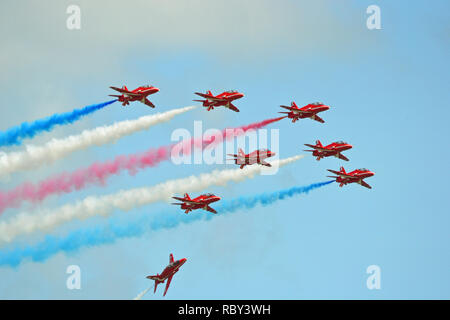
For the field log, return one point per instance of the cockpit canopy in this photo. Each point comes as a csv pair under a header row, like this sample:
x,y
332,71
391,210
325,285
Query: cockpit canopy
x,y
363,169
341,142
317,103
209,195
147,86
175,263
231,91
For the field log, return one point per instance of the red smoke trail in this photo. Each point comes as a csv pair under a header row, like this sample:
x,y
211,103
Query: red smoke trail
x,y
98,172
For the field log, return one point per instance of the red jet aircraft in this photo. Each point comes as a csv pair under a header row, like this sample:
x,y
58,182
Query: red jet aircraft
x,y
223,99
308,111
333,149
201,202
168,272
356,176
139,94
257,156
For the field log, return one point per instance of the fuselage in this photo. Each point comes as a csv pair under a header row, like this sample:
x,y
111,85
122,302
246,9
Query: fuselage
x,y
141,93
332,149
257,156
356,176
171,269
307,111
201,202
228,96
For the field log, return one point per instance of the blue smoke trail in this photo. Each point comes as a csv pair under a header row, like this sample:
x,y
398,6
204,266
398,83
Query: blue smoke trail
x,y
15,135
117,228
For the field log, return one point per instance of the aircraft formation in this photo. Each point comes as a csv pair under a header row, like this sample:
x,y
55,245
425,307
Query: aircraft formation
x,y
226,99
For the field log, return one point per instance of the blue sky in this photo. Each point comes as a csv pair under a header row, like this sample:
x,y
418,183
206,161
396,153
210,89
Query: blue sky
x,y
388,90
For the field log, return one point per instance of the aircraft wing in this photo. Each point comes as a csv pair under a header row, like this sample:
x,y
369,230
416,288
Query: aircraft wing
x,y
292,109
317,147
340,173
265,164
185,200
233,107
209,97
342,157
167,284
125,91
317,118
365,184
208,208
148,103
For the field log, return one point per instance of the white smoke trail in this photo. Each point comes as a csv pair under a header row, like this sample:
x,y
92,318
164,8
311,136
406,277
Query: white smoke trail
x,y
35,156
125,200
140,295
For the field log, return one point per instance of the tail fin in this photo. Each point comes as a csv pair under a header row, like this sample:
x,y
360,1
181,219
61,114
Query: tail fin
x,y
342,170
171,258
186,196
124,88
241,152
318,143
294,105
209,92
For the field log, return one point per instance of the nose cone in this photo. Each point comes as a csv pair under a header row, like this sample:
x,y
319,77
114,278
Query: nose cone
x,y
271,153
370,173
182,261
238,95
325,108
347,146
155,89
216,199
